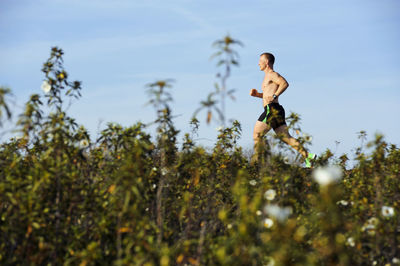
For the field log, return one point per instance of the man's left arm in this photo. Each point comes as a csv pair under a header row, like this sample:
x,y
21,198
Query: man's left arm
x,y
282,83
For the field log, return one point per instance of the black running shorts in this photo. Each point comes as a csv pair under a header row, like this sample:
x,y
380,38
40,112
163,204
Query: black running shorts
x,y
273,115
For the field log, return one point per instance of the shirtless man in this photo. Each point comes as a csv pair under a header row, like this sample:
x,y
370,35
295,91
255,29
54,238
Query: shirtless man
x,y
273,116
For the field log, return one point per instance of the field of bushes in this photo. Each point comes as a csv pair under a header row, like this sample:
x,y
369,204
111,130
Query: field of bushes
x,y
128,198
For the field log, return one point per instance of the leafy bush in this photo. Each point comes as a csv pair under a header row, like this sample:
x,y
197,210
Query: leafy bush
x,y
125,199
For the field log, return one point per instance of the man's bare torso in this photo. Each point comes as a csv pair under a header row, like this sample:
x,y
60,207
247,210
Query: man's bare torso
x,y
269,88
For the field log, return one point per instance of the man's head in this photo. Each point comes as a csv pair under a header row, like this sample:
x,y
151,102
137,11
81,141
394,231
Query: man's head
x,y
266,59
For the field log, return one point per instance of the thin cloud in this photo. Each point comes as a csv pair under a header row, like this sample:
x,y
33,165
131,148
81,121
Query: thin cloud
x,y
193,17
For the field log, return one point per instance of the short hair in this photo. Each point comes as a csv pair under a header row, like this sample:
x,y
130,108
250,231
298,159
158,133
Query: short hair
x,y
270,57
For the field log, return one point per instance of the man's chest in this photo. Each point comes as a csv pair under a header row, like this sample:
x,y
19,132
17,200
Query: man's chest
x,y
268,84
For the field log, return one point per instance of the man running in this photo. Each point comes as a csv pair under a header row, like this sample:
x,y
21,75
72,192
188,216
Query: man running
x,y
273,116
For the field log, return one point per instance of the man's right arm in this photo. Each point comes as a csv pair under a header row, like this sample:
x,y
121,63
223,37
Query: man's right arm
x,y
254,93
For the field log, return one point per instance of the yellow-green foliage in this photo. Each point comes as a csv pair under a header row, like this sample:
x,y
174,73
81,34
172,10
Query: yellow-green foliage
x,y
126,199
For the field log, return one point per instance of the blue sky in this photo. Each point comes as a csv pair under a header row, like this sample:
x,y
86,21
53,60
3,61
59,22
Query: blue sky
x,y
340,58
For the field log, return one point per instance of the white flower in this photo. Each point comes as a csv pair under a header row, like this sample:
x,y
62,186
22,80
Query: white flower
x,y
327,175
270,194
253,182
154,169
387,211
147,209
83,143
229,226
271,262
373,221
258,212
307,138
370,226
281,214
351,242
286,160
342,202
374,262
218,128
395,261
268,222
164,171
154,185
46,87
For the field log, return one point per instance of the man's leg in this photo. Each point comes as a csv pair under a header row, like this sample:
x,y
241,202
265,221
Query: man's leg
x,y
283,131
260,129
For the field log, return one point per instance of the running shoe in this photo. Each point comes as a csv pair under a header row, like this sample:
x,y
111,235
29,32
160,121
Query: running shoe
x,y
310,159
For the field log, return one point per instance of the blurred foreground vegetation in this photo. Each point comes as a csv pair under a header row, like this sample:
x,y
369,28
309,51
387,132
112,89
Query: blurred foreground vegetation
x,y
128,199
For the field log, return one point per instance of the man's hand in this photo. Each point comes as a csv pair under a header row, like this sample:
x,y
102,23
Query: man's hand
x,y
253,92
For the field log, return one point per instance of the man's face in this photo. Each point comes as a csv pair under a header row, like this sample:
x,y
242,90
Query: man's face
x,y
262,63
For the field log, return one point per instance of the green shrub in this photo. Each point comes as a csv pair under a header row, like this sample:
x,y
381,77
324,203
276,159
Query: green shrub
x,y
125,199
